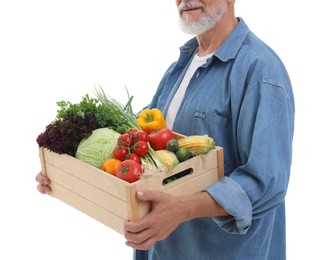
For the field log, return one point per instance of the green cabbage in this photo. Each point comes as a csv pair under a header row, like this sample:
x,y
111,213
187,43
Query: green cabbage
x,y
97,147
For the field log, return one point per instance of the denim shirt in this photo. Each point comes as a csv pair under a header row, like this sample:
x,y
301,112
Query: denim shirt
x,y
242,97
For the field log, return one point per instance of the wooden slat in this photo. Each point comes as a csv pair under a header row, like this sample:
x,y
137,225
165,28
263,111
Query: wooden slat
x,y
83,189
88,207
196,184
199,165
87,173
220,162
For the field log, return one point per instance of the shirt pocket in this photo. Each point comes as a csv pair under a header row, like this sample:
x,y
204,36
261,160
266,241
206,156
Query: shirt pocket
x,y
220,129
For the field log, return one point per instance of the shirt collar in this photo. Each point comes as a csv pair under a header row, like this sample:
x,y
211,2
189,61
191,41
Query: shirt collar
x,y
229,49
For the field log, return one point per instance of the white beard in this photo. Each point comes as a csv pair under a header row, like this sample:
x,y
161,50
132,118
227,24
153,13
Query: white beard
x,y
206,22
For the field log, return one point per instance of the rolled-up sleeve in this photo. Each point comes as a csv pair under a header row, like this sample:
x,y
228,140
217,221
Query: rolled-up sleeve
x,y
235,201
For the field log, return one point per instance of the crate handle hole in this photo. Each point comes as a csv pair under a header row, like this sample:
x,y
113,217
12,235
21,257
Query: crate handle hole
x,y
177,176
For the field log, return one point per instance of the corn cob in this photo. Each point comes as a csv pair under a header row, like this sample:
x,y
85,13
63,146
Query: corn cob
x,y
197,144
167,158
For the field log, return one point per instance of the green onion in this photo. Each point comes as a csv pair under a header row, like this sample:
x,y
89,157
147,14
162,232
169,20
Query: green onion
x,y
127,119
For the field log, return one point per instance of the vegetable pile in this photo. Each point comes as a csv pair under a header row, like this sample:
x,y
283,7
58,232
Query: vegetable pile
x,y
109,136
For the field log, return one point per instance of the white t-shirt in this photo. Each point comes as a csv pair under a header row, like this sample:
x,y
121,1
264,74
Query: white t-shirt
x,y
179,95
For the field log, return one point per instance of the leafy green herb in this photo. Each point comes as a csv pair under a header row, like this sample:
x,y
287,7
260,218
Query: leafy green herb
x,y
67,109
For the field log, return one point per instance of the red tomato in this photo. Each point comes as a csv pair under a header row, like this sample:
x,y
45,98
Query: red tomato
x,y
134,157
129,171
124,140
131,131
120,153
140,148
159,138
140,136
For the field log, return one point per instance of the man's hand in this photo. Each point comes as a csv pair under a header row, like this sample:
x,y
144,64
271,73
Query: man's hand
x,y
166,214
43,183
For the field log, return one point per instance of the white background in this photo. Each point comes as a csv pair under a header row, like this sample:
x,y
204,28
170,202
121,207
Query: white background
x,y
58,50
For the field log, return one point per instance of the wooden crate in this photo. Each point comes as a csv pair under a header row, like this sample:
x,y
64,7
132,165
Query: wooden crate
x,y
109,199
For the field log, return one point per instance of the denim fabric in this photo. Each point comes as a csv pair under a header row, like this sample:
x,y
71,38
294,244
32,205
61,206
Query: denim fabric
x,y
243,98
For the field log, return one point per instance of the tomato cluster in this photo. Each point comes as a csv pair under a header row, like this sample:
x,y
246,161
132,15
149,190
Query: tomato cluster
x,y
133,144
130,147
